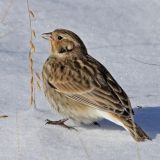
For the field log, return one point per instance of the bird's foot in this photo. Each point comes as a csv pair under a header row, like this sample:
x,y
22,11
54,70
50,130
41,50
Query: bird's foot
x,y
60,122
96,124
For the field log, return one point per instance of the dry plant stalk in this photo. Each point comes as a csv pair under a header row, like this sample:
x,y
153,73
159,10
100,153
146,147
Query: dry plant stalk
x,y
35,77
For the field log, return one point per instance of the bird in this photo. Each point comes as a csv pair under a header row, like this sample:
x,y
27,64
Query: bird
x,y
81,89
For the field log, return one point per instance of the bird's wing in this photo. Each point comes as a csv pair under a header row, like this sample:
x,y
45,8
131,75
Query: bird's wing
x,y
87,81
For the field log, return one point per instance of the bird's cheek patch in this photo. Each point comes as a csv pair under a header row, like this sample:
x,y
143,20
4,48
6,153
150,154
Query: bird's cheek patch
x,y
69,47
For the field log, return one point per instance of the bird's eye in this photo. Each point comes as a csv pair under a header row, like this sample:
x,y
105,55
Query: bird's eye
x,y
59,37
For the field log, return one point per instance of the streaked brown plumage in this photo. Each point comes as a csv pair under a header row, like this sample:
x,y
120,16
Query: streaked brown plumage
x,y
81,88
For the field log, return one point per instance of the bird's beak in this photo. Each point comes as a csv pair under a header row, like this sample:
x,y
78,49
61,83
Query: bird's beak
x,y
47,35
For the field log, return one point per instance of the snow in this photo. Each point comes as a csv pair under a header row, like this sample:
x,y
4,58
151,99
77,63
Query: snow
x,y
123,35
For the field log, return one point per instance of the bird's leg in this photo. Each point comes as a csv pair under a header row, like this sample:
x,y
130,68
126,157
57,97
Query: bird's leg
x,y
60,122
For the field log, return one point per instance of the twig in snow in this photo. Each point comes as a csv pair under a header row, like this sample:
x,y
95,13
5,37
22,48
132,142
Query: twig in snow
x,y
3,116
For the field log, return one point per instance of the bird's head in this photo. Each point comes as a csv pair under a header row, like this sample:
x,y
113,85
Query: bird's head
x,y
65,43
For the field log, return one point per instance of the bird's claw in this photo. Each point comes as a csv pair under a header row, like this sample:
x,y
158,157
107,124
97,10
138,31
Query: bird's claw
x,y
60,122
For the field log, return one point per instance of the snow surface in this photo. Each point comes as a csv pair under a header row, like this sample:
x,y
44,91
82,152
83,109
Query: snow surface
x,y
123,35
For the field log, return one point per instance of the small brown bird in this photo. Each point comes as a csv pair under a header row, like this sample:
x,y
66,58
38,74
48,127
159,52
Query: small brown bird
x,y
81,88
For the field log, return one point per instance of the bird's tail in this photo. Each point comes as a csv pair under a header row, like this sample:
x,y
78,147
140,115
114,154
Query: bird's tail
x,y
135,131
128,123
